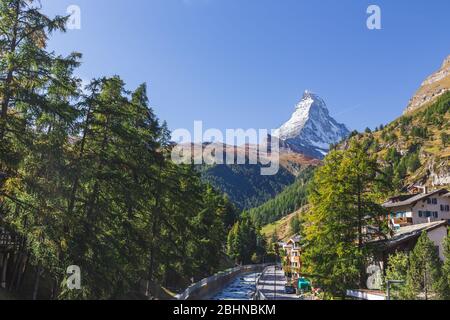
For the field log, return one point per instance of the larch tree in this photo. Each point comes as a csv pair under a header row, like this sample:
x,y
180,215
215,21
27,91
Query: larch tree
x,y
344,215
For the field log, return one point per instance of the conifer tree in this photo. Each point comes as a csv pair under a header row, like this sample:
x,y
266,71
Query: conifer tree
x,y
344,198
424,273
397,270
445,285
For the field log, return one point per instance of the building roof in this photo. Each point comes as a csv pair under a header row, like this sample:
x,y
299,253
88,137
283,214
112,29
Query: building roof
x,y
411,199
409,232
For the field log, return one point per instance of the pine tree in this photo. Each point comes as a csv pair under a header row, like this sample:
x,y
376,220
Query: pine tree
x,y
397,270
36,90
425,270
445,281
295,225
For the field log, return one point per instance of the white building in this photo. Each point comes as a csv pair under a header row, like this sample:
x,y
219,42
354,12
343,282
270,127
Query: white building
x,y
419,208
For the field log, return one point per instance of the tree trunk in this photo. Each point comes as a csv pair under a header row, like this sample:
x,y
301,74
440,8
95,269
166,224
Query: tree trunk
x,y
155,225
36,282
360,234
5,267
16,264
80,156
22,271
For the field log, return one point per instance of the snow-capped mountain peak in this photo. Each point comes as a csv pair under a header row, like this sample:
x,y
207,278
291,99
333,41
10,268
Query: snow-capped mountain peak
x,y
311,129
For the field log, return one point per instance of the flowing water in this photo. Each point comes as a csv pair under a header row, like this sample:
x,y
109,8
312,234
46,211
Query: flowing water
x,y
242,288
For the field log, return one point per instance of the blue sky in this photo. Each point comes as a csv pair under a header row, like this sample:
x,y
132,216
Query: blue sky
x,y
246,63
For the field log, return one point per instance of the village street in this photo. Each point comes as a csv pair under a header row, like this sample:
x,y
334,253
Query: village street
x,y
272,285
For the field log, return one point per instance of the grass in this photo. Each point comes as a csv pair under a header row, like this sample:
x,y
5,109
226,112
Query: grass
x,y
281,227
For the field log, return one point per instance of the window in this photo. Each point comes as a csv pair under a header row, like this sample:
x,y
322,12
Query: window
x,y
420,214
434,201
428,201
447,208
442,207
428,214
436,214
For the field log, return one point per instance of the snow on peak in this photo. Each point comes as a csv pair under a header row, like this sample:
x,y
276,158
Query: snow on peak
x,y
311,129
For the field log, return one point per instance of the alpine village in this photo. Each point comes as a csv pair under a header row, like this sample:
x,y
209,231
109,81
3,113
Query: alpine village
x,y
86,179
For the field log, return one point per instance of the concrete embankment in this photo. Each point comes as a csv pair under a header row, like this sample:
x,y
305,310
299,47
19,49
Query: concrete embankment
x,y
209,287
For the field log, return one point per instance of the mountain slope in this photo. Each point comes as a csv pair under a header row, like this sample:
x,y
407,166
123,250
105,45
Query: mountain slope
x,y
311,129
432,88
281,228
244,184
291,199
415,149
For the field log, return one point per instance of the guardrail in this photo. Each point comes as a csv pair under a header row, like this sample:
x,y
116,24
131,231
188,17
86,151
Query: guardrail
x,y
230,273
258,294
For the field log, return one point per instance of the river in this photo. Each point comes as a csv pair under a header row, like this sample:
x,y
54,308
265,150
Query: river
x,y
242,288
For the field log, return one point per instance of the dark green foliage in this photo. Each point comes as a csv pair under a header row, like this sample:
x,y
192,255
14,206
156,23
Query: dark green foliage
x,y
245,242
413,162
287,202
344,198
87,179
295,226
445,284
424,272
445,139
419,132
434,114
244,184
354,133
397,270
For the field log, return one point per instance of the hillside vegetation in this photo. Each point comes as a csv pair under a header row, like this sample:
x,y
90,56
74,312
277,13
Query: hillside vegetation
x,y
287,202
283,229
244,184
415,148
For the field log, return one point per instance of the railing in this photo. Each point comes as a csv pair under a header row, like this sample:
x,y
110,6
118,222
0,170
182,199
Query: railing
x,y
258,293
402,221
205,282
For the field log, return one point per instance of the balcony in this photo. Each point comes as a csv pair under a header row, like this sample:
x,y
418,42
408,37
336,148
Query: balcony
x,y
402,221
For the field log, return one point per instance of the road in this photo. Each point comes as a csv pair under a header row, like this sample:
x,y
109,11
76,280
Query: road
x,y
272,284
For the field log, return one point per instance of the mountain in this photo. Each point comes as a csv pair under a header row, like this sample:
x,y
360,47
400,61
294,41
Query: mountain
x,y
304,140
244,184
311,130
432,88
415,148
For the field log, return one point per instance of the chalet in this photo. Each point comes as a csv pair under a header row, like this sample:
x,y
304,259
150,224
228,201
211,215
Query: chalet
x,y
403,239
419,208
293,252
